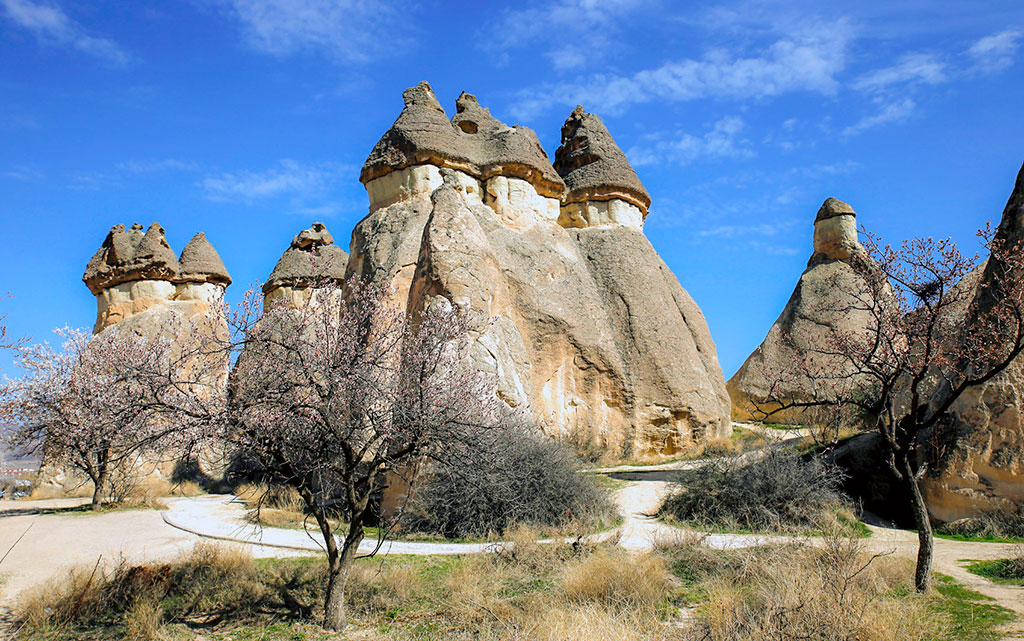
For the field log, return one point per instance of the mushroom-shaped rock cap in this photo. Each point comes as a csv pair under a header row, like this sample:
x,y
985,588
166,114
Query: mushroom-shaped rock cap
x,y
312,258
473,141
833,207
592,165
200,263
131,255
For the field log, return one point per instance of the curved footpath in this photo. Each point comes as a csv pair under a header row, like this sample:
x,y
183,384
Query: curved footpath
x,y
52,542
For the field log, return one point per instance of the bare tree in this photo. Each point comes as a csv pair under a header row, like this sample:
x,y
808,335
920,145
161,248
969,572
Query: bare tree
x,y
345,392
928,341
100,403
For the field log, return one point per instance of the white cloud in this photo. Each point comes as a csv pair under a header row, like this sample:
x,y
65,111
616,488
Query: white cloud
x,y
154,166
804,61
288,178
347,30
544,22
914,68
723,140
891,112
995,52
52,26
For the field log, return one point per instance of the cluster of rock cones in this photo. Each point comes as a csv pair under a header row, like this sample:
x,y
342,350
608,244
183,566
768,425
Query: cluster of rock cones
x,y
591,331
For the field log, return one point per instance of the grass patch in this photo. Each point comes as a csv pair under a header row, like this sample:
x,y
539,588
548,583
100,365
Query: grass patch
x,y
972,616
1006,571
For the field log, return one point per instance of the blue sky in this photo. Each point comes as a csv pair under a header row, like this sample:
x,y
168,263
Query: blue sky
x,y
249,119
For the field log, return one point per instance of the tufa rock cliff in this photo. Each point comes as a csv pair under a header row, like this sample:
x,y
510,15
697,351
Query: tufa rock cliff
x,y
980,463
591,331
820,305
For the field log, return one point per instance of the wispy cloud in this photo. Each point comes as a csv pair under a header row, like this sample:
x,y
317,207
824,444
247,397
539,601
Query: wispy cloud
x,y
346,30
52,26
995,52
155,166
805,61
890,112
595,22
723,140
287,178
24,173
914,68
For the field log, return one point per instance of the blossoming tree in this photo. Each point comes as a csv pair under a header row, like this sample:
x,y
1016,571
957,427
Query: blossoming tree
x,y
338,396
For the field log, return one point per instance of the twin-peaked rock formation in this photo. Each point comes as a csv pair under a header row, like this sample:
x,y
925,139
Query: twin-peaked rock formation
x,y
787,364
591,331
137,278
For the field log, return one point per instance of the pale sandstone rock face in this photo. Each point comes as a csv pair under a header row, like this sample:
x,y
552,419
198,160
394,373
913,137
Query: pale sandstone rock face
x,y
818,306
590,331
982,465
141,287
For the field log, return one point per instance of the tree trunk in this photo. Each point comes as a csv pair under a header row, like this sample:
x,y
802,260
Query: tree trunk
x,y
99,490
926,540
334,602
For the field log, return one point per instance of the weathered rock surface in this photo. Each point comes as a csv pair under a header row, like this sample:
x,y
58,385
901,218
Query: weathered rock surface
x,y
981,463
312,260
819,307
590,329
133,273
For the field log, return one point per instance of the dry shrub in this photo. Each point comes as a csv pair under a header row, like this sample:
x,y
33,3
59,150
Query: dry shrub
x,y
994,524
777,490
517,477
210,578
613,578
834,592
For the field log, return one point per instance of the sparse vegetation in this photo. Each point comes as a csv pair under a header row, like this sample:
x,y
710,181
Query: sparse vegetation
x,y
529,591
996,526
779,490
518,477
1001,570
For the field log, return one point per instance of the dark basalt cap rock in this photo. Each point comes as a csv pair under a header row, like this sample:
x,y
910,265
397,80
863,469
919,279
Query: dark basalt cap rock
x,y
592,165
131,255
473,141
312,257
833,207
200,263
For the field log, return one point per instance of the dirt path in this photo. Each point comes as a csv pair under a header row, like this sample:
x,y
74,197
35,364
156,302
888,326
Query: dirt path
x,y
53,542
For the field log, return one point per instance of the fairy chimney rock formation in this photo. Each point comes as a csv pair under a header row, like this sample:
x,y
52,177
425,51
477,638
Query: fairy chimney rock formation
x,y
590,329
835,231
312,260
134,272
602,187
776,370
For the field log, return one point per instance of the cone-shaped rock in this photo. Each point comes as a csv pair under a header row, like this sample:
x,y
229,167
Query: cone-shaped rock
x,y
560,343
980,464
201,263
671,373
473,142
592,165
311,259
131,255
819,306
